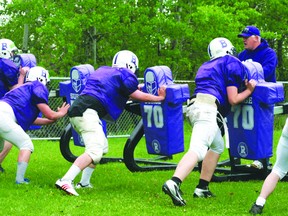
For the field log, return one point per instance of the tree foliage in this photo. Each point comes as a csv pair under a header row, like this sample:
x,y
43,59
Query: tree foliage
x,y
164,32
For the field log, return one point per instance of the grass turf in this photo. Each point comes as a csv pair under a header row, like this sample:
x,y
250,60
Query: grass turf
x,y
117,191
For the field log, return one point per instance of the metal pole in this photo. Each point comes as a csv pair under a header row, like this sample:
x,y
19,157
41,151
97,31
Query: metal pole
x,y
94,46
25,38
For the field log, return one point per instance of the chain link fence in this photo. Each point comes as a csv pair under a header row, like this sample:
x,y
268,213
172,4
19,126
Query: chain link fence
x,y
123,127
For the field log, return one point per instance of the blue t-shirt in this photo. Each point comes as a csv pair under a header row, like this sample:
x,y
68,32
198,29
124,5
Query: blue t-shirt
x,y
24,100
264,55
214,76
112,87
8,75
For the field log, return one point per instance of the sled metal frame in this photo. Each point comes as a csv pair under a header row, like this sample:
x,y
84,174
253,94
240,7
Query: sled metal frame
x,y
132,163
232,169
226,170
138,164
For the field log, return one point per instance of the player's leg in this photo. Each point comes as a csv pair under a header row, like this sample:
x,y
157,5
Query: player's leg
x,y
279,170
208,167
101,147
6,149
172,186
86,176
23,142
13,133
201,139
90,128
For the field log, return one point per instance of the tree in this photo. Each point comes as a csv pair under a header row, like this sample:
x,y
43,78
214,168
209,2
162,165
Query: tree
x,y
64,33
274,27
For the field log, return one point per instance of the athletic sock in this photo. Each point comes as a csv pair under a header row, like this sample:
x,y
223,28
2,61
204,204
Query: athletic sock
x,y
21,170
86,176
203,184
72,173
176,180
260,201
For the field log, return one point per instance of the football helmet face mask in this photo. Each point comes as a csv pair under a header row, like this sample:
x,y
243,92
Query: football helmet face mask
x,y
7,49
219,47
38,73
126,59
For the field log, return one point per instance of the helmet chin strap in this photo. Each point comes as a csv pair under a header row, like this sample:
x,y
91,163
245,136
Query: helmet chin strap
x,y
129,67
137,72
41,80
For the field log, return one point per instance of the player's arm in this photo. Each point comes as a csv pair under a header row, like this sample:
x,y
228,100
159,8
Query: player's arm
x,y
21,78
43,121
142,96
22,74
52,115
235,98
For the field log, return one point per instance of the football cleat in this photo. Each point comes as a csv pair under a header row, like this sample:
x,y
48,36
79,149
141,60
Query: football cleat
x,y
1,169
203,193
256,209
257,164
80,185
172,189
66,186
25,181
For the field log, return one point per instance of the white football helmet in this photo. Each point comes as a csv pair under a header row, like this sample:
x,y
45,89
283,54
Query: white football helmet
x,y
127,59
38,73
219,47
7,48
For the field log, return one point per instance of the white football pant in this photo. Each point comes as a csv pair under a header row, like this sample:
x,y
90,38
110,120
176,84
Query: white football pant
x,y
11,131
281,165
205,133
89,127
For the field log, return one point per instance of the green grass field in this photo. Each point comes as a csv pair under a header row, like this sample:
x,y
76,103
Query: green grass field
x,y
117,191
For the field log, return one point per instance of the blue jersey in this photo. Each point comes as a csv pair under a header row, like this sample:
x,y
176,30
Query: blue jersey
x,y
112,87
8,75
264,55
214,76
24,100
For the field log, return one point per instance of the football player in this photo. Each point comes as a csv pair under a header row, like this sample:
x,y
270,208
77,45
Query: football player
x,y
104,97
278,172
19,109
217,83
11,76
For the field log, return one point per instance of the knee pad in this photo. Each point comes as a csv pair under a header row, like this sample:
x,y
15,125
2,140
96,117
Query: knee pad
x,y
27,145
218,150
281,166
218,147
96,150
96,153
200,151
278,172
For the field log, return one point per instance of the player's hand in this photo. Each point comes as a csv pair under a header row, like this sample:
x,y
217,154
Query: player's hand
x,y
162,91
140,86
63,109
251,84
24,70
